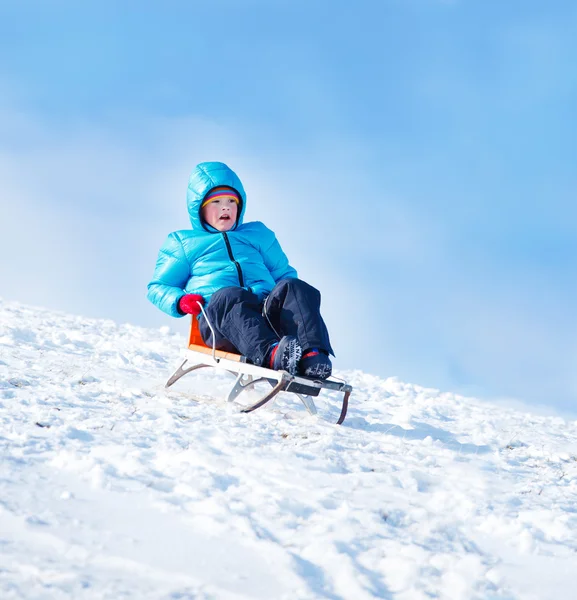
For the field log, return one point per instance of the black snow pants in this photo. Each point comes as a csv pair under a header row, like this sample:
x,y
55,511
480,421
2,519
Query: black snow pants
x,y
249,327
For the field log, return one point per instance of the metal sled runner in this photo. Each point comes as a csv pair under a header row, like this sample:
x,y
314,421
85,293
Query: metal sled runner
x,y
198,355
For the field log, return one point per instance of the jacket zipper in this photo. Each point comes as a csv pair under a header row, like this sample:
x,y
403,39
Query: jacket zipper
x,y
231,256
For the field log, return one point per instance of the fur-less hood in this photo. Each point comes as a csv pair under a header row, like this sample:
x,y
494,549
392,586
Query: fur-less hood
x,y
205,177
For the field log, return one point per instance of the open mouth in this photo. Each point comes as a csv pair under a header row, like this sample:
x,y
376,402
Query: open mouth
x,y
224,218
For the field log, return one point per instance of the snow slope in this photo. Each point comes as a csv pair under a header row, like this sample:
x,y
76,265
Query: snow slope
x,y
112,488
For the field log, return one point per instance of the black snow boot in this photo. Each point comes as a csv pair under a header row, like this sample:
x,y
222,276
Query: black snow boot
x,y
316,363
285,355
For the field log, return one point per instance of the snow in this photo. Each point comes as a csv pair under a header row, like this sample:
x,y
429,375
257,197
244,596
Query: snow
x,y
113,488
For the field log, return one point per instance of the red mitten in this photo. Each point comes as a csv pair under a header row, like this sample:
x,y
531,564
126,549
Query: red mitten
x,y
189,304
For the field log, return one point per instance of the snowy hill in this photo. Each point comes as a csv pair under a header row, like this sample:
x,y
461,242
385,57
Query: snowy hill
x,y
112,488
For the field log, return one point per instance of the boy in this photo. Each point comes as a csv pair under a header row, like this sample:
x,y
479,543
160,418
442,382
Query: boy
x,y
254,300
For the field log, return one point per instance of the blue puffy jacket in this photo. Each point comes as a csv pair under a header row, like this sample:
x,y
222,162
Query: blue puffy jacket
x,y
202,260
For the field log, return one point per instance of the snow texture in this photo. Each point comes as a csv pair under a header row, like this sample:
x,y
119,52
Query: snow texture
x,y
113,488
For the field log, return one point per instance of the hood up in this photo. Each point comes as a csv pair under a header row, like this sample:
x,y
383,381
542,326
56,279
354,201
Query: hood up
x,y
205,177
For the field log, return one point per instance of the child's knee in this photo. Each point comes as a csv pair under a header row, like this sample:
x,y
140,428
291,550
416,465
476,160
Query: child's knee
x,y
290,282
293,283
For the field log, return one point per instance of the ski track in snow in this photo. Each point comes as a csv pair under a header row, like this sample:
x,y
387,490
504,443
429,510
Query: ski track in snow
x,y
113,488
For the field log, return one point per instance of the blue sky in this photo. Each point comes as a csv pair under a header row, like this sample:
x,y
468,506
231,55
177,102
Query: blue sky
x,y
417,159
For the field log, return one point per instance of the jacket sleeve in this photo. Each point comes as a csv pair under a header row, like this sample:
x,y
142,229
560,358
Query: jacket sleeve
x,y
275,259
171,275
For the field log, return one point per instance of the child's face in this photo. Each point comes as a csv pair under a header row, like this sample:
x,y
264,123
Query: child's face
x,y
221,214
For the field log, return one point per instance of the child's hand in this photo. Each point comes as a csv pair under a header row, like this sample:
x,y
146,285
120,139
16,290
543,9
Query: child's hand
x,y
188,304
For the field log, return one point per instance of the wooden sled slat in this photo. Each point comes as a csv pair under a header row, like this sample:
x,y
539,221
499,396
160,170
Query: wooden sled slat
x,y
217,353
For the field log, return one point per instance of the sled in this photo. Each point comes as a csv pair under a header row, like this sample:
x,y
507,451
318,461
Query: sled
x,y
198,355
